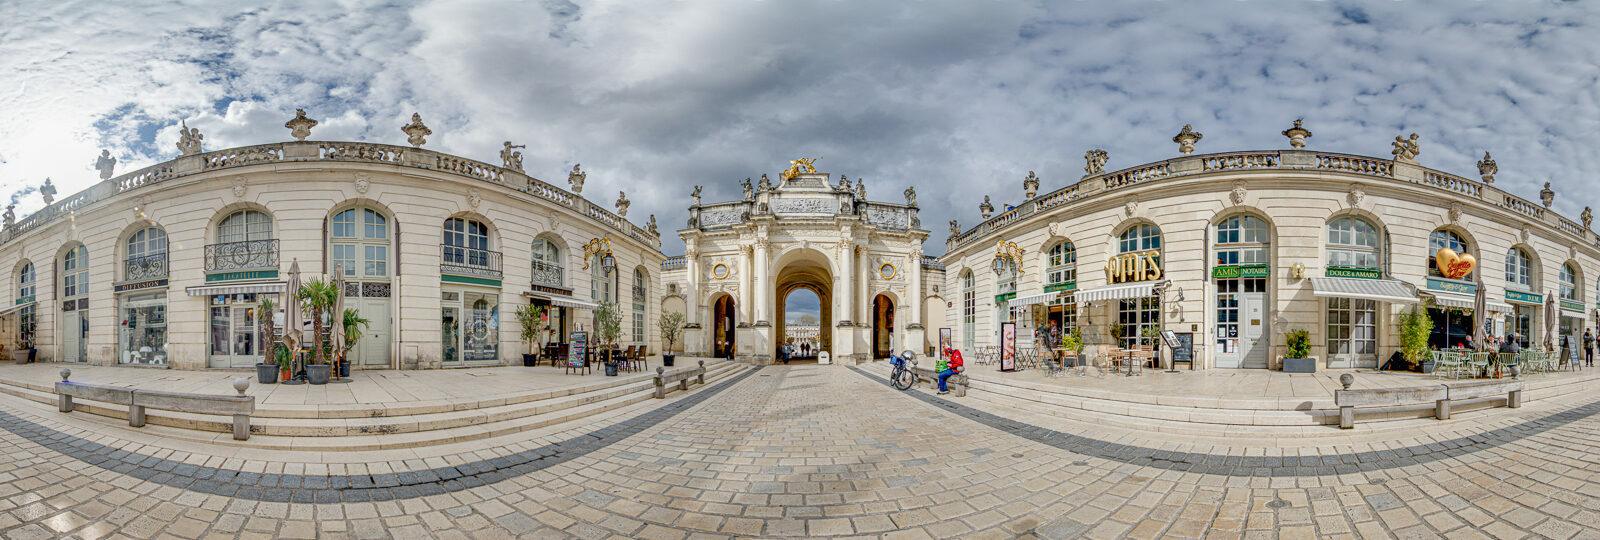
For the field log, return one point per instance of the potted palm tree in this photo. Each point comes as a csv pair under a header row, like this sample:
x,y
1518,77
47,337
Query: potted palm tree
x,y
1298,359
353,322
317,297
671,329
531,320
267,370
607,328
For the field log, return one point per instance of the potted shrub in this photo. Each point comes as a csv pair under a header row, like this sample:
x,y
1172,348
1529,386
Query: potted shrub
x,y
24,352
352,321
1415,326
317,297
1299,359
607,329
531,319
1073,341
671,330
267,370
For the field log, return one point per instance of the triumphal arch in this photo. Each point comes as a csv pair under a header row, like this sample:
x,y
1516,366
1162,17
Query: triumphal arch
x,y
863,260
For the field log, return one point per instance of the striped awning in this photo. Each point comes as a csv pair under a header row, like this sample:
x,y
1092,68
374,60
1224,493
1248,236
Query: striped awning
x,y
13,309
1033,299
1463,301
238,288
1120,292
1383,290
562,300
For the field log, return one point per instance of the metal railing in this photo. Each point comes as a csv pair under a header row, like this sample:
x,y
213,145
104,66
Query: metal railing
x,y
152,266
246,255
547,274
461,260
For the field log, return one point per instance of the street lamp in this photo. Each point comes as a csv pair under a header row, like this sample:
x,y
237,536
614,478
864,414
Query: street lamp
x,y
601,247
608,262
1007,255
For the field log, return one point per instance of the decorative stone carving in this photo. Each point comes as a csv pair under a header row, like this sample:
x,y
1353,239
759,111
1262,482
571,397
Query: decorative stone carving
x,y
238,187
911,196
693,195
474,197
10,215
985,208
1297,135
1547,195
363,183
1587,216
1356,195
1487,169
48,192
765,184
577,176
1406,150
955,227
105,164
416,132
844,184
623,203
809,205
749,192
188,139
300,126
916,220
510,158
1456,212
861,188
1030,185
1237,194
651,225
1526,233
1095,162
1186,139
722,216
1131,206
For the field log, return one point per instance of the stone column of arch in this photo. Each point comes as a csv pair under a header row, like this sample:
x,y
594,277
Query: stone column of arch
x,y
694,341
746,315
762,285
844,295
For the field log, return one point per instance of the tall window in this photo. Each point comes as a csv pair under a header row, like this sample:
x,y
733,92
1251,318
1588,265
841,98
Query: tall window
x,y
639,294
466,241
1569,282
75,273
969,308
360,243
147,254
244,225
1140,238
1445,239
1353,330
546,262
1352,243
1063,261
1241,240
599,283
1008,280
27,317
1519,270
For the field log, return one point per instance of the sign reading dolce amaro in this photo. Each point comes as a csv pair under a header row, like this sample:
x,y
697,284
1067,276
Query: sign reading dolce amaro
x,y
1134,267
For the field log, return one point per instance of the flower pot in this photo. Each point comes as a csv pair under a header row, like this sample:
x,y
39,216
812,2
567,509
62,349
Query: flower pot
x,y
1427,366
267,373
611,369
530,360
23,356
344,369
666,359
1300,365
319,373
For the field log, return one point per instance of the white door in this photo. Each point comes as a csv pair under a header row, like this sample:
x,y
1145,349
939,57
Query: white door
x,y
74,329
373,349
1252,347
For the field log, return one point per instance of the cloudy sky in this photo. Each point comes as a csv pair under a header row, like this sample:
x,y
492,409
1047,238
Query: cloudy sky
x,y
959,98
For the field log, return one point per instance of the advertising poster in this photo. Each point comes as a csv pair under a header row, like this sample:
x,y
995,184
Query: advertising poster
x,y
579,343
944,343
1008,347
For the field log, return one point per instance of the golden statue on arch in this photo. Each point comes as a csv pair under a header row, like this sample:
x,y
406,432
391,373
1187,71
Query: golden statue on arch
x,y
795,164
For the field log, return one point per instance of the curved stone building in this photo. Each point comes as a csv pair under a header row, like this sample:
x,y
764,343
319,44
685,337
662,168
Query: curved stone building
x,y
1232,250
168,265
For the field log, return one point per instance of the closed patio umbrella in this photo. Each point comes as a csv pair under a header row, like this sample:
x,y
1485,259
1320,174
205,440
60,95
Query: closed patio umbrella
x,y
1551,321
1480,317
336,317
292,336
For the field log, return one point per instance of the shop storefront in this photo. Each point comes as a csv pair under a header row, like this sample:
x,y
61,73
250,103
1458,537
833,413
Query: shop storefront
x,y
469,326
142,339
1135,279
1353,298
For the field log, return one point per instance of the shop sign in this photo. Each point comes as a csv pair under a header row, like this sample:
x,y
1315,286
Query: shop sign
x,y
232,276
1003,297
1240,271
1526,298
26,299
1068,286
1571,306
1356,273
1134,267
136,285
470,280
1452,286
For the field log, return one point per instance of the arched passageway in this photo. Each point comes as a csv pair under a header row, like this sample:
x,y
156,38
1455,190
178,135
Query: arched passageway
x,y
723,317
804,269
882,326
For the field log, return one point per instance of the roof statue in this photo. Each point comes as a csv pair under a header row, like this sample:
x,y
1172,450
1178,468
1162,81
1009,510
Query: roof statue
x,y
749,192
796,164
48,191
1186,139
911,196
693,194
1406,150
300,126
576,178
105,164
1487,168
416,132
188,139
1297,134
510,158
623,203
1030,185
1095,162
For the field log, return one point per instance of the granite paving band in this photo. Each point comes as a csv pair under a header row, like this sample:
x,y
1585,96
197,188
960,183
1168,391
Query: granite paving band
x,y
1266,466
350,488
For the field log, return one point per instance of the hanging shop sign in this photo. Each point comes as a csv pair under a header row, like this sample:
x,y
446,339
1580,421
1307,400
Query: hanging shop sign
x,y
1453,265
1240,271
1452,286
1571,305
1134,267
1525,298
1356,273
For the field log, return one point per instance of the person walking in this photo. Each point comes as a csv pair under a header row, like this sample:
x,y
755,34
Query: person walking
x,y
1588,348
952,369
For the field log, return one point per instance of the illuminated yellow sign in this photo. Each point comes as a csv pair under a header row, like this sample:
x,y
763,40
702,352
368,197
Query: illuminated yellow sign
x,y
1133,267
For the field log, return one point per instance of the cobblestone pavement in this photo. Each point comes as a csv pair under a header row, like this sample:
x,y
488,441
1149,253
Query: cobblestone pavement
x,y
830,451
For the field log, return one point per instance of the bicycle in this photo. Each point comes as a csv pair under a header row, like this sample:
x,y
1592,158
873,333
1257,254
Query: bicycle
x,y
901,377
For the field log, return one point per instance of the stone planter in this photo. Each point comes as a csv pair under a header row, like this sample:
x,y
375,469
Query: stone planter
x,y
23,356
611,369
1427,366
344,369
667,359
319,373
267,373
530,360
1300,365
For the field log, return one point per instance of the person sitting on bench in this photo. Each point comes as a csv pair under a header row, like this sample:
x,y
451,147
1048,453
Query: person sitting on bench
x,y
954,368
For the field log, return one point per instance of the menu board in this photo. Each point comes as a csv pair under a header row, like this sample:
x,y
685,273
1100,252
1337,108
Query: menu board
x,y
1008,347
580,341
1182,346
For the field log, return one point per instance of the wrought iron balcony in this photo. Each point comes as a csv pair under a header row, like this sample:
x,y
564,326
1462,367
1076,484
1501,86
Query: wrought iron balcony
x,y
246,255
467,261
547,274
152,266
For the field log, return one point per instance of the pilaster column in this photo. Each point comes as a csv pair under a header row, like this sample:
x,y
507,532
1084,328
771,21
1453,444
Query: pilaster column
x,y
746,271
916,293
863,301
844,291
762,288
691,263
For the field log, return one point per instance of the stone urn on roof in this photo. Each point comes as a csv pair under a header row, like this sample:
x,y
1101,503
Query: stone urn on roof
x,y
1297,135
416,132
300,126
1186,139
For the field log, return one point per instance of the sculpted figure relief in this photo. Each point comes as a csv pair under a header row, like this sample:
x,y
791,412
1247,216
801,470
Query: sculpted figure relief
x,y
105,164
510,158
749,192
1406,149
911,196
577,176
48,191
695,195
1095,162
188,139
765,184
861,189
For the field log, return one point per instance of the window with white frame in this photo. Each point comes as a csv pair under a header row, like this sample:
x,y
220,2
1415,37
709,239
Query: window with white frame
x,y
359,243
1063,266
1140,238
1241,240
639,293
1445,239
1569,282
27,317
1519,270
244,225
1352,243
969,308
75,273
547,268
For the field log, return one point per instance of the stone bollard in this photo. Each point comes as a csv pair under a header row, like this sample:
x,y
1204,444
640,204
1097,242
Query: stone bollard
x,y
241,422
661,386
63,401
702,374
1346,380
240,385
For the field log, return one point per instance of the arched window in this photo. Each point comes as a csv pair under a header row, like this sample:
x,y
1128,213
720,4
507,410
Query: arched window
x,y
1519,270
359,242
244,225
27,317
466,247
1008,280
1240,240
547,268
1446,239
75,273
969,308
639,293
1569,283
599,282
1140,238
1352,243
1063,270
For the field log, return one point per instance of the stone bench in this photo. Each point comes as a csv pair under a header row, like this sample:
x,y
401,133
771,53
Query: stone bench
x,y
957,382
239,406
1440,395
663,379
